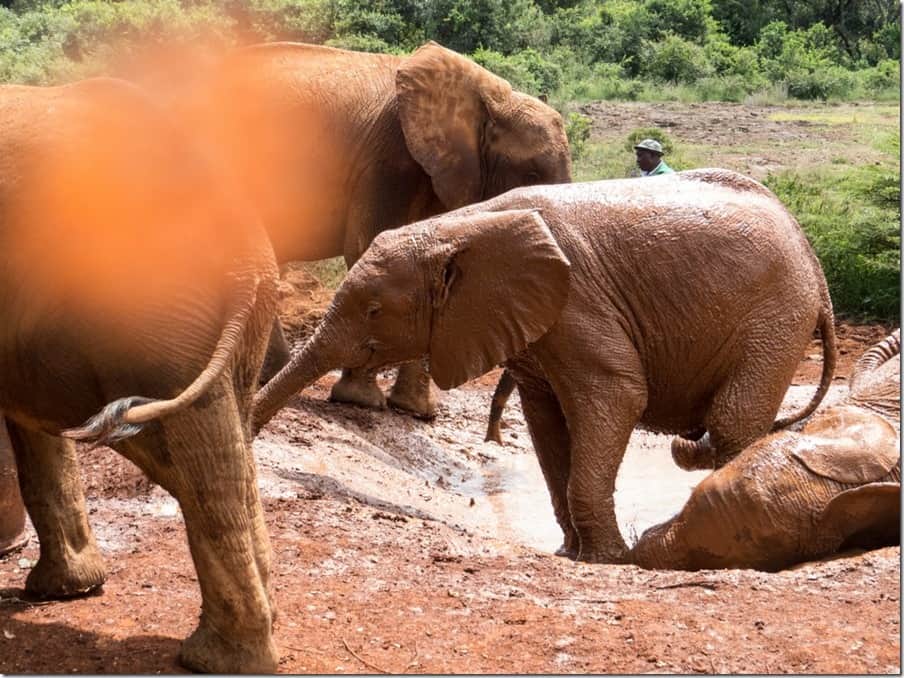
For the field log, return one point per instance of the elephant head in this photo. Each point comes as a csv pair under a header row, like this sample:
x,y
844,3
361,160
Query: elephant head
x,y
465,291
474,135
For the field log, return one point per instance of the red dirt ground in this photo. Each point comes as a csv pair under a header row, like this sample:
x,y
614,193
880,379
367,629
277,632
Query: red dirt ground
x,y
367,582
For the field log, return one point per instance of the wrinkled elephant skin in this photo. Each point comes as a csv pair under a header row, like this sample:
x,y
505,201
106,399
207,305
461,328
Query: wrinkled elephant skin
x,y
802,495
335,146
131,276
683,303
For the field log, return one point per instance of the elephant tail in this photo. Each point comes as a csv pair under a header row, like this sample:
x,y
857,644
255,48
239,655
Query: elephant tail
x,y
125,417
829,359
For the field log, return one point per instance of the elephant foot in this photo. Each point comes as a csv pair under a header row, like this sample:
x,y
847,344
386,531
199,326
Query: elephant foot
x,y
420,407
77,575
358,392
694,455
610,555
206,651
565,551
419,399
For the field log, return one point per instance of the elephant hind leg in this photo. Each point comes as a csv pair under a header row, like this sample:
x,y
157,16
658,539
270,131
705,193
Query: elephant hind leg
x,y
201,457
745,406
70,563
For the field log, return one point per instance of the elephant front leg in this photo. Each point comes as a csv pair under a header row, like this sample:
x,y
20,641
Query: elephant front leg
x,y
602,405
70,563
358,387
549,434
414,391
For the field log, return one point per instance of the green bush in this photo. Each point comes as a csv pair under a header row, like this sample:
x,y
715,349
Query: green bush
x,y
577,128
642,133
851,216
824,83
675,59
363,43
885,75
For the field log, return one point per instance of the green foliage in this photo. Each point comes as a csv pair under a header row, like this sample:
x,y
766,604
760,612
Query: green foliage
x,y
527,70
852,217
577,128
674,59
619,49
329,272
642,133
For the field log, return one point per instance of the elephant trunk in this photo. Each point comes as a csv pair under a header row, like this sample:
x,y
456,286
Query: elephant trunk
x,y
318,356
655,550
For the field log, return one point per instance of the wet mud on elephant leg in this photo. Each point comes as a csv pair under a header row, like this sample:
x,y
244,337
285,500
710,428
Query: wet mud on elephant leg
x,y
12,509
414,390
744,406
205,463
278,353
549,435
603,396
70,563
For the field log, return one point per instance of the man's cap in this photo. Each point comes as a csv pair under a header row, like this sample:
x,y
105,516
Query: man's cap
x,y
650,145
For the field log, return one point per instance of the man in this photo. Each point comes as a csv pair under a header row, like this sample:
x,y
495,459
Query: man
x,y
649,158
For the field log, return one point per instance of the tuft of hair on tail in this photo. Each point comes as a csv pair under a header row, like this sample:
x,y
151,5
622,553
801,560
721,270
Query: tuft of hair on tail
x,y
109,425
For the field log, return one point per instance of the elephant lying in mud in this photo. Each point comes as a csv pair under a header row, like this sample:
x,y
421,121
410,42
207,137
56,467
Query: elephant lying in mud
x,y
682,302
335,146
129,273
798,495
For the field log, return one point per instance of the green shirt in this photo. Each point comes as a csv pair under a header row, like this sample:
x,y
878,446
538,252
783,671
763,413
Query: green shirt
x,y
661,168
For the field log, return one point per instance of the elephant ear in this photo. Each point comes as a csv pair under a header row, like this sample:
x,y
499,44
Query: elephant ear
x,y
866,517
501,283
445,100
848,446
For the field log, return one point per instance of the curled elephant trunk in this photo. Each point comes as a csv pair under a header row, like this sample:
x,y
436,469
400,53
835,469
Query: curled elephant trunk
x,y
315,359
655,550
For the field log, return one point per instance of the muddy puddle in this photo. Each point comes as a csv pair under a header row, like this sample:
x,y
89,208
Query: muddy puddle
x,y
444,470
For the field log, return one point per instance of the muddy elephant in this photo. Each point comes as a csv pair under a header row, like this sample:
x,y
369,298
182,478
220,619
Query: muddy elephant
x,y
798,495
12,510
134,284
335,146
682,302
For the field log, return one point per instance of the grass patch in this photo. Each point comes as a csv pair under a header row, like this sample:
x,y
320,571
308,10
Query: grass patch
x,y
852,217
872,115
329,272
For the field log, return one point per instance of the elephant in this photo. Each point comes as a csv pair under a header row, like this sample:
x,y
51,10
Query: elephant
x,y
12,510
134,284
797,495
682,302
334,146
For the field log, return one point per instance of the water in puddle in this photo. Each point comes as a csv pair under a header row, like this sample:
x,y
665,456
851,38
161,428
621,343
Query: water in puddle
x,y
649,489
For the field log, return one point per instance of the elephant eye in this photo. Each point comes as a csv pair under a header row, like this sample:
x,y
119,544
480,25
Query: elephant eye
x,y
532,177
373,310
